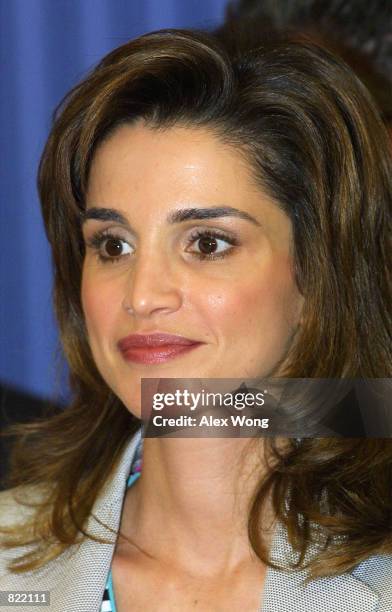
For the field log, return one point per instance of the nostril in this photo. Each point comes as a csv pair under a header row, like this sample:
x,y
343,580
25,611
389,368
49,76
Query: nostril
x,y
128,309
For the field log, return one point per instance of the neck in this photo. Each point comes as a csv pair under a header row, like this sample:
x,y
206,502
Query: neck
x,y
194,495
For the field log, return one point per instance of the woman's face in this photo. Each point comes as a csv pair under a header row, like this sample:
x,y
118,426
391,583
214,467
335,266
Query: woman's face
x,y
225,282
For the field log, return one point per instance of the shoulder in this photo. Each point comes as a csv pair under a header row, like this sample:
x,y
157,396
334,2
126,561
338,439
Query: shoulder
x,y
20,503
18,507
376,572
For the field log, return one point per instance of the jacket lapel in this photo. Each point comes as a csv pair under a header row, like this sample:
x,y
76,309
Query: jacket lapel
x,y
76,580
286,591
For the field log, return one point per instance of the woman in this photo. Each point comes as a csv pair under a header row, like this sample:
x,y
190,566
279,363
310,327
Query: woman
x,y
233,193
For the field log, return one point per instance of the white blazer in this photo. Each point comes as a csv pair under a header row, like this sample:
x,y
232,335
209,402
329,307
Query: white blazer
x,y
76,580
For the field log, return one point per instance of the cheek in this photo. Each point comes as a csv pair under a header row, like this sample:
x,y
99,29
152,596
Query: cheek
x,y
98,301
264,299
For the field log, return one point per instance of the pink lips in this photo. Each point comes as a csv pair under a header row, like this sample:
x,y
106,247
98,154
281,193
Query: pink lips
x,y
154,348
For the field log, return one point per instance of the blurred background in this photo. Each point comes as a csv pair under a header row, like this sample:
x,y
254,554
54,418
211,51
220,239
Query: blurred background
x,y
46,47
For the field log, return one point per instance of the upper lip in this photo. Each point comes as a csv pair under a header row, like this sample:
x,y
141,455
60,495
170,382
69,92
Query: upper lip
x,y
153,340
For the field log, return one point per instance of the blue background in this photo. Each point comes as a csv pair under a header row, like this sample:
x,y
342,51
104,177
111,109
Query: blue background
x,y
46,46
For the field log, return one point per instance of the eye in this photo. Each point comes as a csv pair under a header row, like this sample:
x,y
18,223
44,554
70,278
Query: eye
x,y
109,247
208,243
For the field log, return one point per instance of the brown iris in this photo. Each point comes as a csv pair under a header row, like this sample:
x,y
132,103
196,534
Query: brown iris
x,y
113,247
206,243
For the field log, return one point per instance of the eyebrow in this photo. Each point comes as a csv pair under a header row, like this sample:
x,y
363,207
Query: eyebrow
x,y
175,216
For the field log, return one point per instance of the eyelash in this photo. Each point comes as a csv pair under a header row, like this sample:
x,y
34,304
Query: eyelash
x,y
100,237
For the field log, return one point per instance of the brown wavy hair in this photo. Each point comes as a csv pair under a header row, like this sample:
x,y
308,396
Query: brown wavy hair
x,y
315,141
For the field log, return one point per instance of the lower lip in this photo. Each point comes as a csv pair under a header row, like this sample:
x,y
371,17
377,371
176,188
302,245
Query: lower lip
x,y
157,354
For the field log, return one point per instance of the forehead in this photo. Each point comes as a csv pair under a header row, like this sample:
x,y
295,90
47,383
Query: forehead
x,y
176,156
149,172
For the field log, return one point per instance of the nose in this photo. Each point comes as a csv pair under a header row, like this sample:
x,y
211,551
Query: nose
x,y
152,286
